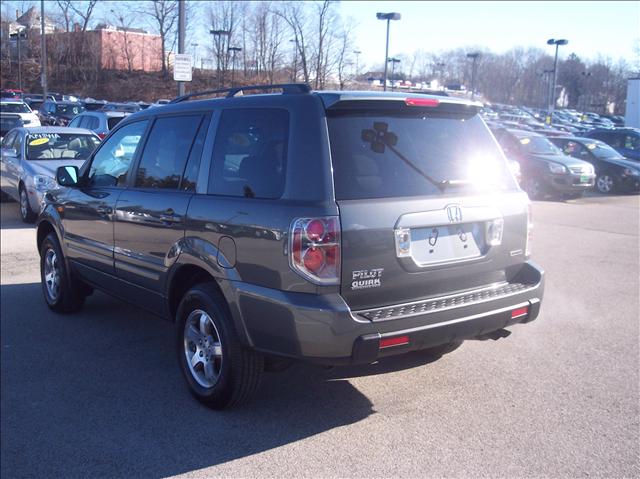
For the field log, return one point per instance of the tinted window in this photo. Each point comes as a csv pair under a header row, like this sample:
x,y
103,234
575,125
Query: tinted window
x,y
249,157
111,163
387,154
68,110
166,151
8,140
632,142
92,123
193,164
112,121
57,146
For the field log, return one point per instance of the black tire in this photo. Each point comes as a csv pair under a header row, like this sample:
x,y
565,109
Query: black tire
x,y
535,189
238,369
4,197
26,213
606,184
71,293
574,196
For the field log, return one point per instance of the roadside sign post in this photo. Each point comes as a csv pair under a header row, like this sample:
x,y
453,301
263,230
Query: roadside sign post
x,y
182,67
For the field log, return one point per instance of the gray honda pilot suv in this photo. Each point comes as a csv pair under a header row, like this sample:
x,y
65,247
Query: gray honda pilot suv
x,y
332,227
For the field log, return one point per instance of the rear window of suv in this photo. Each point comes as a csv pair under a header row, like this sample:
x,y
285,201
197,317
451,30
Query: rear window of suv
x,y
382,154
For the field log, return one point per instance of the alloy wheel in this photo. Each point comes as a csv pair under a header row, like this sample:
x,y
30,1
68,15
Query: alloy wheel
x,y
52,274
604,183
24,203
202,348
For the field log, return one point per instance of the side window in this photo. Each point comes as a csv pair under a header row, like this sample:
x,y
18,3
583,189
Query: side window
x,y
8,140
75,123
112,161
190,177
166,151
250,152
90,122
17,144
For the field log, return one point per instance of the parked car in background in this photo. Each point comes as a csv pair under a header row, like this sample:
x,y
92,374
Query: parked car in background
x,y
614,173
333,227
100,122
35,104
59,113
11,94
125,107
9,121
625,141
93,105
545,169
19,107
30,157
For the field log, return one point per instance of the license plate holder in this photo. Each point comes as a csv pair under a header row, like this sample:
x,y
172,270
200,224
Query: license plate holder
x,y
447,243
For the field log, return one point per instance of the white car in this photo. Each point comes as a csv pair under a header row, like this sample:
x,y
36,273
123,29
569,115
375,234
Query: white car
x,y
28,116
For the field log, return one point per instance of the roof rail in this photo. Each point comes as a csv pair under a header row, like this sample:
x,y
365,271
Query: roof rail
x,y
287,89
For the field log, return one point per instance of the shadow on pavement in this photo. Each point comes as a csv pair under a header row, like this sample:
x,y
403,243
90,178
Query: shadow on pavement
x,y
99,393
10,216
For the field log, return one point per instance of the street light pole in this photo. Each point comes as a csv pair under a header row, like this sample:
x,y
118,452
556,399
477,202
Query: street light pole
x,y
18,35
181,35
474,56
388,17
393,70
43,48
357,54
294,72
217,34
552,95
234,50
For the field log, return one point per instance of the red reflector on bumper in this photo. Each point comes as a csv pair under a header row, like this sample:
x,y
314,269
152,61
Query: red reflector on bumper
x,y
516,313
398,341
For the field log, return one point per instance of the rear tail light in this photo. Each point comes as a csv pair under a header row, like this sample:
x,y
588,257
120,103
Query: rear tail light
x,y
527,247
494,231
314,244
102,135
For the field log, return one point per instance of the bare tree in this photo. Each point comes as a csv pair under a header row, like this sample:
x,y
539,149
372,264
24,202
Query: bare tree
x,y
163,14
344,51
295,16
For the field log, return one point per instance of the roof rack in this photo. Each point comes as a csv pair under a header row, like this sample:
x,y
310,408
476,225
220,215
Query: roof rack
x,y
287,89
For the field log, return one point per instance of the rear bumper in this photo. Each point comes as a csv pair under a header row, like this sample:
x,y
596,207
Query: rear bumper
x,y
322,328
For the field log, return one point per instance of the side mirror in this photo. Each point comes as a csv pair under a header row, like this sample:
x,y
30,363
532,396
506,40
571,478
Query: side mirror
x,y
10,152
67,175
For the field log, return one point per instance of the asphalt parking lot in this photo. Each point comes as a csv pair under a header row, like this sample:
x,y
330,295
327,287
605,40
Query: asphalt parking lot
x,y
99,393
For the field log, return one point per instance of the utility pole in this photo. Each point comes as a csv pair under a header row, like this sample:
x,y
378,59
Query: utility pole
x,y
357,54
473,56
181,32
43,52
233,51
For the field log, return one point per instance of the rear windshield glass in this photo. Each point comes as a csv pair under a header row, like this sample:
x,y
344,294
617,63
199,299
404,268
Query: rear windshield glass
x,y
112,121
14,108
69,110
379,155
56,146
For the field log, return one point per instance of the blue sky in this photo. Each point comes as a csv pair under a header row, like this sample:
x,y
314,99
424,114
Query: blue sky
x,y
607,28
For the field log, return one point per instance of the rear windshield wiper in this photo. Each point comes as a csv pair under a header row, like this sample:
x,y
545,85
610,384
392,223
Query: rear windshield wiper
x,y
440,184
446,183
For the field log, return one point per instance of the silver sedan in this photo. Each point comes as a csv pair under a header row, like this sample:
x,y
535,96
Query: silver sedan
x,y
30,158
